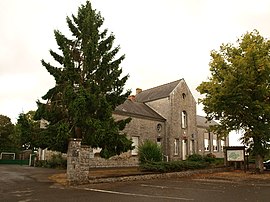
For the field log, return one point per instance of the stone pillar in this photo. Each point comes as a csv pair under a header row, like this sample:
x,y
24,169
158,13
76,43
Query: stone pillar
x,y
73,161
84,163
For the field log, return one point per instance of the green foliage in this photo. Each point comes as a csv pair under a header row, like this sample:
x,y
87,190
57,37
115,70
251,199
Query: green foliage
x,y
174,166
27,130
219,162
237,93
57,161
194,161
89,86
6,132
209,158
149,152
195,157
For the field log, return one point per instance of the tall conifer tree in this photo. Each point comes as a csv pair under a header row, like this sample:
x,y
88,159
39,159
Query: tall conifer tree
x,y
88,87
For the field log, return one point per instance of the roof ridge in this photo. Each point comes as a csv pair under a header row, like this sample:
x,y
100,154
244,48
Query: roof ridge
x,y
157,92
163,85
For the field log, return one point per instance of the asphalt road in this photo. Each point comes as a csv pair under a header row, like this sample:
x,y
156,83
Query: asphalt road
x,y
24,184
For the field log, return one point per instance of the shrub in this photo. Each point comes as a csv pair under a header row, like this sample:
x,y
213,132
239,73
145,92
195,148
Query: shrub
x,y
219,161
57,161
195,157
210,158
173,166
42,163
149,152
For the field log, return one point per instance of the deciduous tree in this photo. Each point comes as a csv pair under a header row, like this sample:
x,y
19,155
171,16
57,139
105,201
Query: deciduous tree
x,y
238,91
6,131
27,130
89,85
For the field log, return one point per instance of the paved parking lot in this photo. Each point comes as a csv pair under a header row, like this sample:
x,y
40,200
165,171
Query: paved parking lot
x,y
20,183
207,187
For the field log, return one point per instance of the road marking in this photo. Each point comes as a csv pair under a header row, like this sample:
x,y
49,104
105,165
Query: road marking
x,y
141,195
180,188
24,191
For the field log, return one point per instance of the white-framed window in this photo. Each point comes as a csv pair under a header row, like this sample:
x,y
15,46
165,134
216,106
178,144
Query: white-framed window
x,y
206,142
135,143
184,119
215,145
176,146
222,145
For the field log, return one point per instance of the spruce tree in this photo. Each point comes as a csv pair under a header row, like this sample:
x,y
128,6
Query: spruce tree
x,y
89,86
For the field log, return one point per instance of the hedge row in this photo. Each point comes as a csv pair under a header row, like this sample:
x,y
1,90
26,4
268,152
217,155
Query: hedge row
x,y
174,166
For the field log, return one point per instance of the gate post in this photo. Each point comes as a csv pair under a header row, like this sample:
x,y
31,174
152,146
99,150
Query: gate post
x,y
73,161
77,162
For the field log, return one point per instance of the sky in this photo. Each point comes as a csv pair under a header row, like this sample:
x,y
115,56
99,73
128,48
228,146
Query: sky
x,y
163,41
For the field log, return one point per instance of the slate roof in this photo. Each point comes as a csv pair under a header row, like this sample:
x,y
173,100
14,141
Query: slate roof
x,y
202,122
132,108
158,92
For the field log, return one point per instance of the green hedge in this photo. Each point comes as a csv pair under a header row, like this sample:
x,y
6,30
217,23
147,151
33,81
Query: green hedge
x,y
173,166
16,161
195,161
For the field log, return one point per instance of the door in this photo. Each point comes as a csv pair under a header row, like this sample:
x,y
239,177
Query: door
x,y
184,149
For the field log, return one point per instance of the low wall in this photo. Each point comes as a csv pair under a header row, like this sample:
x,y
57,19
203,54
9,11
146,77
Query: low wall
x,y
116,161
80,159
155,176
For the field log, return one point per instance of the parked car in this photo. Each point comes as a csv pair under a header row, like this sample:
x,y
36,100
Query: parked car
x,y
266,165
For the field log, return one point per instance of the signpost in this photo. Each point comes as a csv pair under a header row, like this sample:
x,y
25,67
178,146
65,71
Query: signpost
x,y
235,155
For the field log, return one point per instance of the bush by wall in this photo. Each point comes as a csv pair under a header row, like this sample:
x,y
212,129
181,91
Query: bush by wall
x,y
57,161
173,166
194,161
149,152
195,157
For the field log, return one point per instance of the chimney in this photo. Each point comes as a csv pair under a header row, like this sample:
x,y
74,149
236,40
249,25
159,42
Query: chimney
x,y
138,90
132,98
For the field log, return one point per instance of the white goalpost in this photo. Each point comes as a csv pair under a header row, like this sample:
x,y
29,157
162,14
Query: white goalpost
x,y
7,154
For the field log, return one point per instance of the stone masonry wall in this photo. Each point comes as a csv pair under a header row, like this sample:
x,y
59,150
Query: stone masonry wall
x,y
80,159
219,153
145,129
74,174
123,160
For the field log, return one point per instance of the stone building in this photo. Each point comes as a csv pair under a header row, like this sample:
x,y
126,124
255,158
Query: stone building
x,y
208,142
166,114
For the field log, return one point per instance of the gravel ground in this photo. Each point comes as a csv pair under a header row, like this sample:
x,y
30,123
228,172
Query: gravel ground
x,y
234,175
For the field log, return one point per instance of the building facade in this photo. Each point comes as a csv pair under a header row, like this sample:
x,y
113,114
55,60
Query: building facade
x,y
208,142
166,114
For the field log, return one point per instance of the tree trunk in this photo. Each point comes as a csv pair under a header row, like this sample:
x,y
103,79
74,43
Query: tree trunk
x,y
258,155
259,163
78,132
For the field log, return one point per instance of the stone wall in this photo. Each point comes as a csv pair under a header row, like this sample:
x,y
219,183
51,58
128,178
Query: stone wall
x,y
80,159
145,129
179,100
76,173
123,160
201,150
144,177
